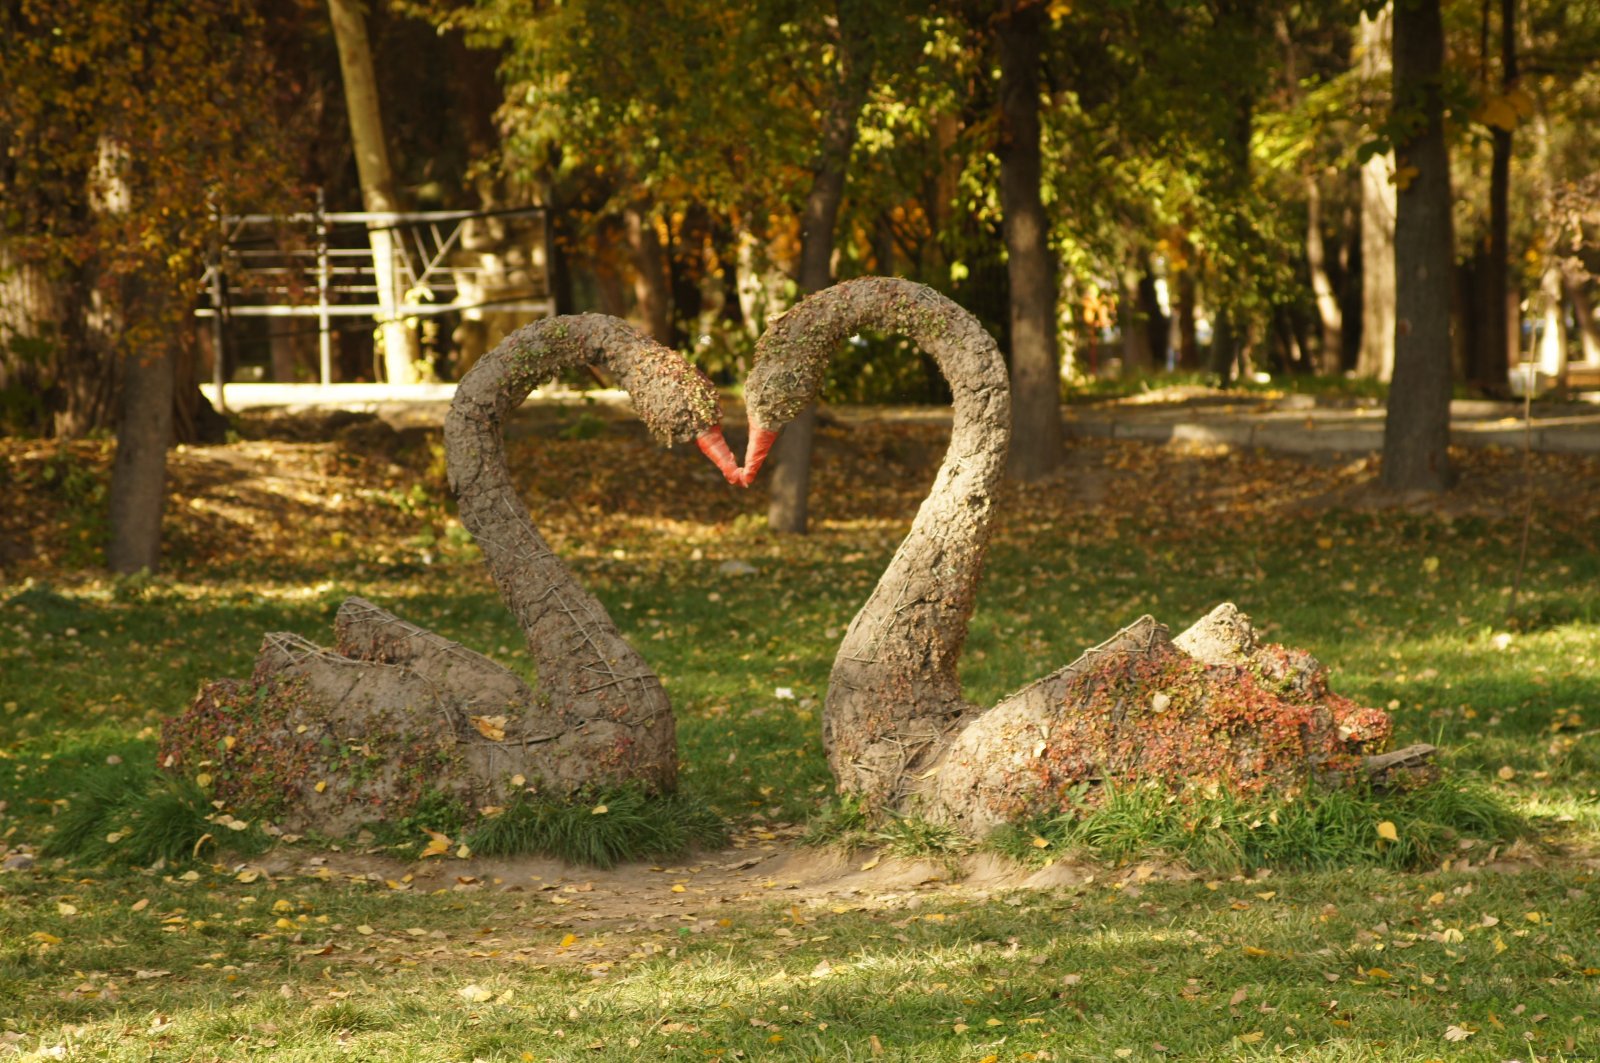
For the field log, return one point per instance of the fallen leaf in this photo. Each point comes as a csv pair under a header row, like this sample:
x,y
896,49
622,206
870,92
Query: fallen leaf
x,y
1387,831
491,727
1457,1033
475,994
599,810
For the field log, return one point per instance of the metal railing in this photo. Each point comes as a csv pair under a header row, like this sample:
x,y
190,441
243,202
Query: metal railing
x,y
319,265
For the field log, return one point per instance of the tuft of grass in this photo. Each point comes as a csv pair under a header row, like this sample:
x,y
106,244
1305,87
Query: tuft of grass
x,y
1320,829
601,827
845,823
135,816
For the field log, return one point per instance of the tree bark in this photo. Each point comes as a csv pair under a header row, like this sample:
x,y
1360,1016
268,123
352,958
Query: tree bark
x,y
788,503
1157,327
1497,337
1376,359
650,290
139,470
400,347
1416,443
1329,352
1184,318
1583,310
31,318
1137,354
1030,266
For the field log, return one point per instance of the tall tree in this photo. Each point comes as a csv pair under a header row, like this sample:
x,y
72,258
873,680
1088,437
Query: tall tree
x,y
1377,354
788,506
120,125
1495,334
378,193
1416,443
1030,265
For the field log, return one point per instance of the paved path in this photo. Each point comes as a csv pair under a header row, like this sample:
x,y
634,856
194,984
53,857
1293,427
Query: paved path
x,y
1299,424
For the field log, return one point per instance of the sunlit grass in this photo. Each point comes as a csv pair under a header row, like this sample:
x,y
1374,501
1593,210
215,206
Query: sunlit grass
x,y
1342,963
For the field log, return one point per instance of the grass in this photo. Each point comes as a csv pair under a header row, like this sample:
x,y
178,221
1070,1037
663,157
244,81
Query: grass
x,y
1319,830
1338,959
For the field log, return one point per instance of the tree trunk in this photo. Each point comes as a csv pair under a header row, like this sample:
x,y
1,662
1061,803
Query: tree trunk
x,y
1416,443
1137,354
788,504
1184,319
31,317
1497,337
1551,356
139,471
1376,359
1030,266
1583,310
401,351
1157,327
650,290
1328,312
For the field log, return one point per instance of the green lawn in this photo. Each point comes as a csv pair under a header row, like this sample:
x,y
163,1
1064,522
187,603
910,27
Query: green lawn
x,y
1496,958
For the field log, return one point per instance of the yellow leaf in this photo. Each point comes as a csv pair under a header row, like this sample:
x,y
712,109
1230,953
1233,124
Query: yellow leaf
x,y
364,930
491,727
1404,175
1251,1038
1324,543
519,780
870,864
463,851
1040,843
202,780
599,810
1507,772
1251,950
1498,112
66,909
1533,917
475,994
568,940
139,905
438,844
678,888
961,1027
229,742
247,876
322,785
1499,945
44,938
1378,972
1387,831
284,924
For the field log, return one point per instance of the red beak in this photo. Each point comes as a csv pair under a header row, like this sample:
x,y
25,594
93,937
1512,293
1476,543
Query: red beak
x,y
755,453
713,446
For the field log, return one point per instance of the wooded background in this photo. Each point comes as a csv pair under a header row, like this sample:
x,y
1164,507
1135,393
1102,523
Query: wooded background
x,y
1405,192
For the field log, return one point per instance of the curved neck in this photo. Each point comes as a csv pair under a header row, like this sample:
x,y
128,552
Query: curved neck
x,y
569,634
906,641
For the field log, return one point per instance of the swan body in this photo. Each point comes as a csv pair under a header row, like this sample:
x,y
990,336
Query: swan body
x,y
896,728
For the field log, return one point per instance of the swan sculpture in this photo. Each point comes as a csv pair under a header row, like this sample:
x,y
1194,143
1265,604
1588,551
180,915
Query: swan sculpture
x,y
329,739
896,728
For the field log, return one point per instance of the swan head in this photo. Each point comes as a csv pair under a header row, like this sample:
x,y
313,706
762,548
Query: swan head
x,y
676,401
775,393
